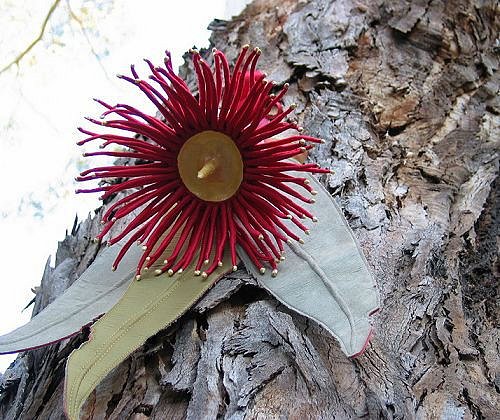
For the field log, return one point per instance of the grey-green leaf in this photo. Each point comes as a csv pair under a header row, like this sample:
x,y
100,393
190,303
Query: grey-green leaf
x,y
327,278
92,294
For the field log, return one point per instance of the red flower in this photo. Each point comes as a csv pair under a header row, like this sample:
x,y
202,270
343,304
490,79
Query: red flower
x,y
208,174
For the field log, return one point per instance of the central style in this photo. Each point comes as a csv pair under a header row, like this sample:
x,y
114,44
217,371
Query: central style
x,y
210,165
211,173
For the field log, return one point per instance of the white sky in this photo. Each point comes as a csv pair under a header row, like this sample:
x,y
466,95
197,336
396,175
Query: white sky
x,y
45,99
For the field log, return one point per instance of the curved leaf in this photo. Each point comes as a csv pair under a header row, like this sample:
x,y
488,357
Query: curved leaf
x,y
327,278
146,307
91,295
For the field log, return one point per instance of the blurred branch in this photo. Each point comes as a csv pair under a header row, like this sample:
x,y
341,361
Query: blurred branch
x,y
21,55
85,34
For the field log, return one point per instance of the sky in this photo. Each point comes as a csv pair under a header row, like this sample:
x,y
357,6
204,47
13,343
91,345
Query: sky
x,y
44,99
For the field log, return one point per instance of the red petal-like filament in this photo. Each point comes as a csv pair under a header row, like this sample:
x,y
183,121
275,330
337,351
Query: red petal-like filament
x,y
161,209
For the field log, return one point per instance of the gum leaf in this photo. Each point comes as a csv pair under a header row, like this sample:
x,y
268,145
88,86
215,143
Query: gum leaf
x,y
91,295
146,307
326,278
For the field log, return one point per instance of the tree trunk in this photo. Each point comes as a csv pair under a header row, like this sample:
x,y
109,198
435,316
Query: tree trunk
x,y
405,94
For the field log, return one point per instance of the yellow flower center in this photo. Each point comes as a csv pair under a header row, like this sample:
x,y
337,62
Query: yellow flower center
x,y
210,166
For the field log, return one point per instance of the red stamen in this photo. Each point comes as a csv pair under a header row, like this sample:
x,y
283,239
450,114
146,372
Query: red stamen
x,y
235,102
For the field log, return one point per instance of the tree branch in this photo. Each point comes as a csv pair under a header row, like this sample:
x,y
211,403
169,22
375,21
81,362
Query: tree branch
x,y
86,36
21,55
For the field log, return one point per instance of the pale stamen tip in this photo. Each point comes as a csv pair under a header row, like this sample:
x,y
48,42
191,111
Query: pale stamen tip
x,y
262,270
307,232
144,247
282,258
314,192
307,182
274,273
235,268
113,268
138,277
204,275
312,200
301,241
219,263
170,272
148,258
314,219
206,262
197,272
261,237
180,271
165,262
158,271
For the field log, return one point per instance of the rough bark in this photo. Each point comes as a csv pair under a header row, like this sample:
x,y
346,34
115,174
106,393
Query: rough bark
x,y
405,94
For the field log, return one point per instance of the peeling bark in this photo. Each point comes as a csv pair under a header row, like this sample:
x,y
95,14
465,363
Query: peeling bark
x,y
406,95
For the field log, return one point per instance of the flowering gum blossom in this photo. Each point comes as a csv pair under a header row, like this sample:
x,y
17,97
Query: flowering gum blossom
x,y
208,174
